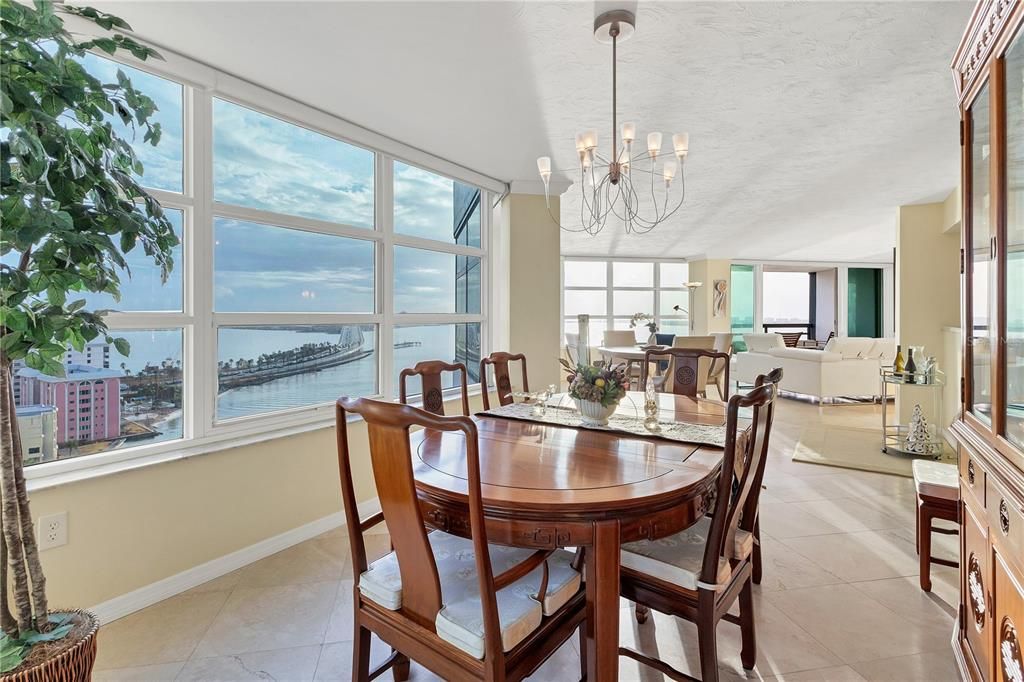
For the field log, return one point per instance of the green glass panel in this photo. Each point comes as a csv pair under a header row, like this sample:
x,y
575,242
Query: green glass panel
x,y
864,302
742,305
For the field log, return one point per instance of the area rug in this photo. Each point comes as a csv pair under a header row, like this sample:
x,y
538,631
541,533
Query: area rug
x,y
852,448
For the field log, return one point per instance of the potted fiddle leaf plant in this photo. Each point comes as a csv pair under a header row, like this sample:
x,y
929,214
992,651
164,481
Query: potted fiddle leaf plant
x,y
72,207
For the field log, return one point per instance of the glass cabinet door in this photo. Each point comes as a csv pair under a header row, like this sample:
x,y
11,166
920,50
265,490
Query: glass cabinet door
x,y
1014,266
980,255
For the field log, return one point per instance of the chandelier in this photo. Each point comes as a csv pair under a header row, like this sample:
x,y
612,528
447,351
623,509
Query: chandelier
x,y
612,186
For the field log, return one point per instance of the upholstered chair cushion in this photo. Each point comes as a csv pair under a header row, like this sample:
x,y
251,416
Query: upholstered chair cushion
x,y
677,558
936,479
460,620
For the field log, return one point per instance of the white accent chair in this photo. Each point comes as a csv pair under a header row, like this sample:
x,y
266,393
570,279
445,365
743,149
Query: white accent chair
x,y
847,367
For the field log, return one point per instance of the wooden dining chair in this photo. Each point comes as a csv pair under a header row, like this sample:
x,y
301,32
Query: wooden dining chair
x,y
790,339
688,370
773,377
572,342
462,608
502,380
431,391
698,573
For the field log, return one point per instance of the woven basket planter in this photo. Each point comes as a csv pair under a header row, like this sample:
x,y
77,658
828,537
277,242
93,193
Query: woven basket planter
x,y
73,664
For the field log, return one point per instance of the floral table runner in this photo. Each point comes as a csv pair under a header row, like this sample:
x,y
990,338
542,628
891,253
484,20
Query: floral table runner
x,y
683,432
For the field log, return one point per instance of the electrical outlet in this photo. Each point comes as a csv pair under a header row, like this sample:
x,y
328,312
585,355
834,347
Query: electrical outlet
x,y
53,530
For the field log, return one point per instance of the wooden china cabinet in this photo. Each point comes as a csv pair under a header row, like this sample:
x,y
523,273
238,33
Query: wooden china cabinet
x,y
988,70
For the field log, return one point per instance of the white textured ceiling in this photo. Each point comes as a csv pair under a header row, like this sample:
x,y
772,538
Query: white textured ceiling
x,y
809,122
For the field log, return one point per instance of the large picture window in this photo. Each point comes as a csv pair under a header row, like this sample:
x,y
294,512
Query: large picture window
x,y
311,266
611,292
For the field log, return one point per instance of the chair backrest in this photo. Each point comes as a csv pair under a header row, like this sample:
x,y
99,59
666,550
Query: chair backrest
x,y
388,426
664,339
723,342
572,342
688,370
739,484
431,391
502,381
791,338
619,337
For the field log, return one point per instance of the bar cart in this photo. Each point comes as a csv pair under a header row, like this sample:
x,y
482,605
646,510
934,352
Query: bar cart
x,y
894,436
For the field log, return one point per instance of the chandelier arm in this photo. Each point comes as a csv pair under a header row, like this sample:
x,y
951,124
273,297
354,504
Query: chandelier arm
x,y
682,196
624,216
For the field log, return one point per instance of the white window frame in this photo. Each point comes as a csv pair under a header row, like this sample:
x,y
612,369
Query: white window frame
x,y
201,431
612,317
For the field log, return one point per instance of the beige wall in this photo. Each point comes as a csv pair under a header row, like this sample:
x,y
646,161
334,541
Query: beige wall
x,y
702,319
131,529
534,287
927,288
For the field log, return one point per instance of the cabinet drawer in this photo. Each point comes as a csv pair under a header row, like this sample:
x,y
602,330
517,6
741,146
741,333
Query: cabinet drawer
x,y
972,473
1008,620
1005,517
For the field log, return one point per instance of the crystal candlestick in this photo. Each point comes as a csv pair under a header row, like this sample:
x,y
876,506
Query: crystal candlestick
x,y
651,407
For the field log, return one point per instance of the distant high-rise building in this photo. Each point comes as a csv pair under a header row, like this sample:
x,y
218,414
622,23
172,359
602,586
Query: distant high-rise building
x,y
95,354
87,398
38,427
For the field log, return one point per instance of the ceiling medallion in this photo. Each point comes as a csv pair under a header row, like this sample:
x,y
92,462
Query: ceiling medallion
x,y
607,185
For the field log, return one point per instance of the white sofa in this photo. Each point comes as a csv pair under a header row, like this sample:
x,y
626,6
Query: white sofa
x,y
846,367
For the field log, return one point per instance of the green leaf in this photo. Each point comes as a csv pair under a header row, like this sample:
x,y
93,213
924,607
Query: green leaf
x,y
59,618
122,346
32,637
53,368
12,653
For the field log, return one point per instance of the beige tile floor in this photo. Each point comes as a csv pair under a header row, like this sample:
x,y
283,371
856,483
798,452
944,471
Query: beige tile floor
x,y
839,599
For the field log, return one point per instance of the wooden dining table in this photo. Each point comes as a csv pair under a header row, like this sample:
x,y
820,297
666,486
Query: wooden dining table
x,y
550,486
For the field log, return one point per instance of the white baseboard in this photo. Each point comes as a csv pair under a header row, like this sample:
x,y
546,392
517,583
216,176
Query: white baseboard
x,y
138,599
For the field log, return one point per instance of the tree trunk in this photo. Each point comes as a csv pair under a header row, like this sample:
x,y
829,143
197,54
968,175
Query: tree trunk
x,y
28,533
9,497
7,622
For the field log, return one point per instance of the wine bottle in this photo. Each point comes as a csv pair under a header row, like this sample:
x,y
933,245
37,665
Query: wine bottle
x,y
898,363
911,366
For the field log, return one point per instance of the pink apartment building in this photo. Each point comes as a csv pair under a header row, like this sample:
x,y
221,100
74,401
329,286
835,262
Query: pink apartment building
x,y
88,400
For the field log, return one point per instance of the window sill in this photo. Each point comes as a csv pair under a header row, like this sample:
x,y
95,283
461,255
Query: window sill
x,y
41,477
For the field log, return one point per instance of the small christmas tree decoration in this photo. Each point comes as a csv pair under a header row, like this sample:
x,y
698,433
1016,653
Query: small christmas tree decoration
x,y
918,441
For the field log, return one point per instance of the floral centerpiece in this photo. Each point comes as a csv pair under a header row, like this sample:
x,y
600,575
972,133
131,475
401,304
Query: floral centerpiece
x,y
597,390
648,321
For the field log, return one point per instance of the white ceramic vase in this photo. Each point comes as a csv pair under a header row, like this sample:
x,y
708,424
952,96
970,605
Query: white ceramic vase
x,y
595,414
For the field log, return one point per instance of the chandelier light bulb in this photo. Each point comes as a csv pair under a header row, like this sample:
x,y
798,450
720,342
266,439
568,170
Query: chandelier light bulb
x,y
653,144
544,168
581,142
628,132
669,172
590,139
681,143
587,159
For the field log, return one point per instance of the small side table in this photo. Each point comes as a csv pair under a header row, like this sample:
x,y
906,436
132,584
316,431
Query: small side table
x,y
894,436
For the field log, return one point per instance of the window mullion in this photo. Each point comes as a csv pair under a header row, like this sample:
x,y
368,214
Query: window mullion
x,y
201,357
384,201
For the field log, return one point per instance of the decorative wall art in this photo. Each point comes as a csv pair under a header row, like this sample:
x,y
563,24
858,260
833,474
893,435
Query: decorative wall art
x,y
720,288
